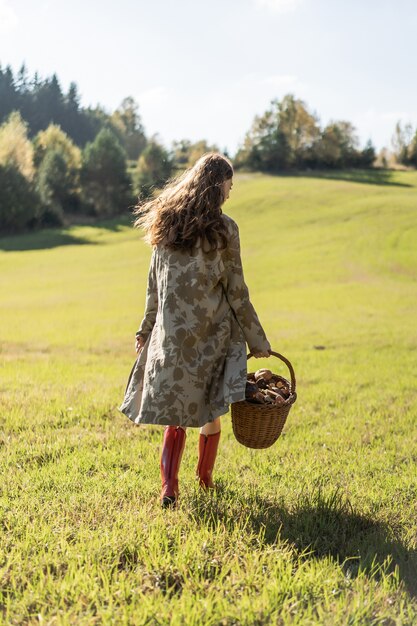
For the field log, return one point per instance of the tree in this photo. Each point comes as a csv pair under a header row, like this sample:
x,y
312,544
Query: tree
x,y
104,179
72,99
338,147
48,104
19,204
128,125
299,127
15,147
288,136
264,147
74,119
282,138
367,156
185,153
41,101
153,169
89,124
22,81
52,186
9,97
54,138
328,149
382,159
181,153
412,151
349,142
197,150
401,141
58,175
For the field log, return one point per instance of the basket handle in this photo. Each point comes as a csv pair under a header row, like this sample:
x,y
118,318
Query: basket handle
x,y
287,363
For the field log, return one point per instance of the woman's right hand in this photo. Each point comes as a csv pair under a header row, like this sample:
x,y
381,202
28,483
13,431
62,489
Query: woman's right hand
x,y
140,342
260,355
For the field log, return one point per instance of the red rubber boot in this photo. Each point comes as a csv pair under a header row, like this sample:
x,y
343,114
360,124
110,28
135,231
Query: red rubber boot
x,y
171,455
207,452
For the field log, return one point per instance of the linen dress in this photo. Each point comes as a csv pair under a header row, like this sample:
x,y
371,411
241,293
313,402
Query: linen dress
x,y
198,318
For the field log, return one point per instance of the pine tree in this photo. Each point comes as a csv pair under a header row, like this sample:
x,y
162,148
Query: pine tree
x,y
106,186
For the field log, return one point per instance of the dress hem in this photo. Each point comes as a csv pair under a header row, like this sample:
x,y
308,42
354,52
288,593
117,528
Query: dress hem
x,y
167,421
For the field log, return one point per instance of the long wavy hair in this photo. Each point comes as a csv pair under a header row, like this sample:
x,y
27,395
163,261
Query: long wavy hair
x,y
188,207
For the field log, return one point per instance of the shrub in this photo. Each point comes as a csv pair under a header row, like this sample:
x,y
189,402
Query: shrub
x,y
19,203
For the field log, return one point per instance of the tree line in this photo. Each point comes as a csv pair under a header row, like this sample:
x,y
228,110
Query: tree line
x,y
288,136
42,101
59,159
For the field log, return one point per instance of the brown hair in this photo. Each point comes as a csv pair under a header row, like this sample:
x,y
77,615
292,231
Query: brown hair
x,y
188,207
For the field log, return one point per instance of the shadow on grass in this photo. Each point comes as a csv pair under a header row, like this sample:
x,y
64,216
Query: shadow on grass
x,y
114,224
368,177
319,524
41,240
55,237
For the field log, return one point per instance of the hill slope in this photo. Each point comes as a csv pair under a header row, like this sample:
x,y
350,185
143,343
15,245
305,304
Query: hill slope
x,y
318,529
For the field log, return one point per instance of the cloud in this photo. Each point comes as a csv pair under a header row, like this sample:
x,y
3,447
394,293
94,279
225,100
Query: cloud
x,y
8,17
279,6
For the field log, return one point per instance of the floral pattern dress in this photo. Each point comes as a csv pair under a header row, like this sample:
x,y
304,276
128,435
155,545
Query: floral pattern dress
x,y
197,321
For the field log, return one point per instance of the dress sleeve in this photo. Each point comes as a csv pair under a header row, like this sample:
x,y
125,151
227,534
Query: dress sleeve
x,y
237,295
151,306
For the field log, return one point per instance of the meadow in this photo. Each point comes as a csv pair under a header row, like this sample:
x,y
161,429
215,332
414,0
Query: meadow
x,y
318,529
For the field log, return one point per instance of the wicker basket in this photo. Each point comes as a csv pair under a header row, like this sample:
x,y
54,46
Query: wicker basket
x,y
260,425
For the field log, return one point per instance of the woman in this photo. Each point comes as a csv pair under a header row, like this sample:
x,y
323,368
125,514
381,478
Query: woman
x,y
191,343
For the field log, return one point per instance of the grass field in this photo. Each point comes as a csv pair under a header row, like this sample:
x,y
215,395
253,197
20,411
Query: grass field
x,y
321,528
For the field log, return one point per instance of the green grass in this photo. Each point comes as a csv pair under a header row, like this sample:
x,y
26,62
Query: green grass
x,y
318,529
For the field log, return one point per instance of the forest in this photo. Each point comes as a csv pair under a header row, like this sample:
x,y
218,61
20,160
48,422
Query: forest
x,y
59,159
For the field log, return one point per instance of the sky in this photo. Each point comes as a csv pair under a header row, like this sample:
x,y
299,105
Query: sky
x,y
202,69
